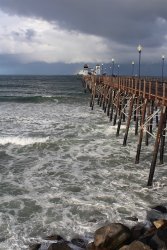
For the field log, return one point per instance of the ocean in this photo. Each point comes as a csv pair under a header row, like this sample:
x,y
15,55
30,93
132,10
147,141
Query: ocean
x,y
62,169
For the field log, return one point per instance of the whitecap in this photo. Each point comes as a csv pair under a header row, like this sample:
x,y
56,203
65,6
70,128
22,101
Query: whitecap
x,y
110,130
22,140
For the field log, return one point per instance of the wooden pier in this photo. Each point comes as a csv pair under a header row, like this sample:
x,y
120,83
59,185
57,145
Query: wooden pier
x,y
127,99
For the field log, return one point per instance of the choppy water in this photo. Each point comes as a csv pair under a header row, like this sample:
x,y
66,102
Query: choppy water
x,y
62,170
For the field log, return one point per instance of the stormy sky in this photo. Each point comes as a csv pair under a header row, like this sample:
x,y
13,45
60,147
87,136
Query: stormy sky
x,y
59,36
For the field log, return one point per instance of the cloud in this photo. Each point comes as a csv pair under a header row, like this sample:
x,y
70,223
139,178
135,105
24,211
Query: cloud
x,y
126,22
39,40
75,31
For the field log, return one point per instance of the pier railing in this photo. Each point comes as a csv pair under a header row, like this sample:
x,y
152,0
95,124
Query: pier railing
x,y
151,88
141,100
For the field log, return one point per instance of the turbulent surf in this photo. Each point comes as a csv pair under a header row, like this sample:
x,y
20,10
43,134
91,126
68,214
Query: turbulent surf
x,y
62,170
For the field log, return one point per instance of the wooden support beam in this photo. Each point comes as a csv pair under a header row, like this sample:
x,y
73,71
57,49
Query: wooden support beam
x,y
141,132
137,107
148,124
156,90
156,117
151,121
163,139
112,104
109,101
117,108
101,96
121,114
92,101
149,95
163,97
104,99
128,121
124,110
156,146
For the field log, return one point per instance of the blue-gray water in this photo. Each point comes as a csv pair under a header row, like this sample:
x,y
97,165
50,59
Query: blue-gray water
x,y
62,169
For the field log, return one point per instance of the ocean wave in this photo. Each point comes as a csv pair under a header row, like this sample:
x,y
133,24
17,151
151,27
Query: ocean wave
x,y
39,98
23,141
28,99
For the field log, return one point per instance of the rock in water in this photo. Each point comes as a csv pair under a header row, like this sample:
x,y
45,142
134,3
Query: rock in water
x,y
159,240
131,218
91,246
157,213
35,247
78,242
112,236
59,246
138,230
160,223
161,209
54,237
136,245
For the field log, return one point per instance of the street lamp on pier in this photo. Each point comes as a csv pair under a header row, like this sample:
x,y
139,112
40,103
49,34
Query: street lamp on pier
x,y
112,66
139,48
118,69
110,71
163,60
102,69
133,65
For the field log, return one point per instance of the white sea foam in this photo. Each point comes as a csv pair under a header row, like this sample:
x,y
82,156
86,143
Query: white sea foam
x,y
23,141
110,130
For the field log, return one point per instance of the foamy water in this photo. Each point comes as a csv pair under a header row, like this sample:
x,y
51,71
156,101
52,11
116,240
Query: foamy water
x,y
21,141
62,168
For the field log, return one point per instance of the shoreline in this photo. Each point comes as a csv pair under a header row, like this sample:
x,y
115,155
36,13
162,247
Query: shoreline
x,y
150,234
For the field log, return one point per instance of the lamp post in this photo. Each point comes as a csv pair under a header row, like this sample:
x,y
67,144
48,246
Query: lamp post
x,y
112,66
102,69
133,65
118,69
139,48
110,70
163,59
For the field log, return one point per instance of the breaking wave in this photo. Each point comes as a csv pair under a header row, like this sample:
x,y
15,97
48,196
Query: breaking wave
x,y
28,99
21,140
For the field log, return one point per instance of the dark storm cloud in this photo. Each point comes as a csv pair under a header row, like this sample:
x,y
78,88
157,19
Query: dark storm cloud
x,y
124,21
